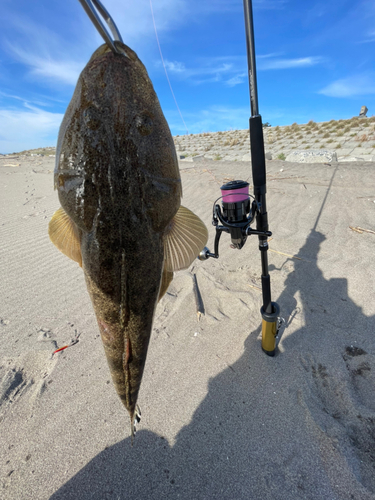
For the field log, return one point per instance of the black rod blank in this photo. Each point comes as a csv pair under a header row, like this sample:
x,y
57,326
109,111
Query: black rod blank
x,y
258,162
249,27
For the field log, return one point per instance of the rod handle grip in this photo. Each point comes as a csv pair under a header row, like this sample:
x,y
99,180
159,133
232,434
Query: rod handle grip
x,y
269,329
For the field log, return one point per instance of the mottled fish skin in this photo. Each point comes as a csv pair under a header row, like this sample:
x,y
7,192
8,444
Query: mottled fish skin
x,y
117,178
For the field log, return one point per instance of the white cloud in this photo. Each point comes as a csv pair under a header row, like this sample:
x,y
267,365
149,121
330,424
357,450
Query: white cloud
x,y
213,70
212,119
301,62
267,56
175,66
351,86
231,70
370,37
54,58
46,55
36,99
27,128
60,58
199,76
236,80
45,67
134,22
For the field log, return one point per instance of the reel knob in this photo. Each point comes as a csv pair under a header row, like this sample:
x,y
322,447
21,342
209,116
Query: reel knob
x,y
204,254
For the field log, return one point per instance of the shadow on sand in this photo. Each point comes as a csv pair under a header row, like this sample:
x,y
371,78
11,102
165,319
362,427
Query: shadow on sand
x,y
242,443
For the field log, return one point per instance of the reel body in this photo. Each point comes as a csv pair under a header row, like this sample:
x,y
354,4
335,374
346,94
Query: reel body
x,y
234,217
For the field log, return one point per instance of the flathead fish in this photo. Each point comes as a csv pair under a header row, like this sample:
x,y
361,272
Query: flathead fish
x,y
119,188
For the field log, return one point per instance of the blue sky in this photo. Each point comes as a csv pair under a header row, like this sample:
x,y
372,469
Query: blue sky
x,y
315,61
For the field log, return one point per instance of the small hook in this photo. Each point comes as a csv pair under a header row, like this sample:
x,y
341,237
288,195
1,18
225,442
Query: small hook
x,y
92,7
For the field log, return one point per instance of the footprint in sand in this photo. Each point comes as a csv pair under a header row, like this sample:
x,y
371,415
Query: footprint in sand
x,y
12,384
344,410
26,374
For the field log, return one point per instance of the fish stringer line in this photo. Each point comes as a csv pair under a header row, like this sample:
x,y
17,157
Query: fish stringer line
x,y
165,69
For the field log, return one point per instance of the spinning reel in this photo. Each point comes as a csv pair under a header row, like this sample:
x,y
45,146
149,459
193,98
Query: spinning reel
x,y
235,217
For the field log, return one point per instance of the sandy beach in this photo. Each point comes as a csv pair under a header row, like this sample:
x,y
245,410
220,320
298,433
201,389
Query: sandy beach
x,y
220,419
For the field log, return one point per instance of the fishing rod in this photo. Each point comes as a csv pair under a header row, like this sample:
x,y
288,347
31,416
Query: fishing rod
x,y
237,213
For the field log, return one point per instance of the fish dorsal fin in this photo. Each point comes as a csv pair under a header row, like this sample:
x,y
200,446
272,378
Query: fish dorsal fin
x,y
186,237
64,234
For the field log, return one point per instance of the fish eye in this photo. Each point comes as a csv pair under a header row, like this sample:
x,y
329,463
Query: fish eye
x,y
144,124
90,117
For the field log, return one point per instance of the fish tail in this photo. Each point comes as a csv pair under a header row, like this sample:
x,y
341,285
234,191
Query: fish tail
x,y
135,419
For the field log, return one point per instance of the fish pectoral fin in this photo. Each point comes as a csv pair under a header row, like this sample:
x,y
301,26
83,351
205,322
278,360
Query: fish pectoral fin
x,y
64,234
186,236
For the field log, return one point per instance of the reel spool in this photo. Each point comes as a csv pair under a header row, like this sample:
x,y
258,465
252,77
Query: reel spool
x,y
236,207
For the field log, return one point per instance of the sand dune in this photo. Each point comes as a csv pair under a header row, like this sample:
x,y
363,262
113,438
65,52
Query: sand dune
x,y
220,420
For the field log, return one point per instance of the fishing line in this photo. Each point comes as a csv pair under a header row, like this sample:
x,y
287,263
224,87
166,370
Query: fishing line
x,y
165,69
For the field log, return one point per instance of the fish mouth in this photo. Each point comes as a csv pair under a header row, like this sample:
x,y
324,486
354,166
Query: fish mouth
x,y
121,50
